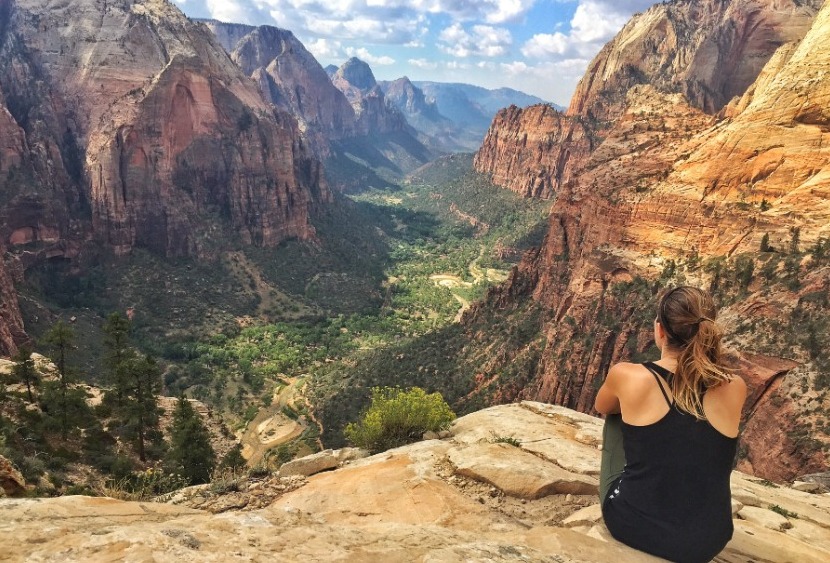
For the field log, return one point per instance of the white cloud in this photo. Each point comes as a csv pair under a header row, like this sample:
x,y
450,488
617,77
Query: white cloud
x,y
323,48
594,23
481,41
423,63
368,57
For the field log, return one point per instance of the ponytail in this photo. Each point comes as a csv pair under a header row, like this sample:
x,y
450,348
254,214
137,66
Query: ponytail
x,y
688,317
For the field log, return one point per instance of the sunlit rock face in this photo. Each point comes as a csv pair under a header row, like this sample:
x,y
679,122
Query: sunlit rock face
x,y
709,51
143,131
460,498
533,151
677,172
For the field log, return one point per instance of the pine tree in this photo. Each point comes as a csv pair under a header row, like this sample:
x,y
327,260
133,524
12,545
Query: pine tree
x,y
234,459
61,339
24,370
143,383
117,353
191,454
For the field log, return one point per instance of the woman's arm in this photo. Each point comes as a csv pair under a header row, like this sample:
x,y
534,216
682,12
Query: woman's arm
x,y
608,401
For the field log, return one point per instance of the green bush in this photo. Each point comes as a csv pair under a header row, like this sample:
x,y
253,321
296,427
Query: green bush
x,y
397,417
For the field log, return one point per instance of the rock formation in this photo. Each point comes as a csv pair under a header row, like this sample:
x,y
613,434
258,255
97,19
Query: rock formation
x,y
424,116
11,324
666,184
534,150
291,79
374,115
429,501
709,51
134,117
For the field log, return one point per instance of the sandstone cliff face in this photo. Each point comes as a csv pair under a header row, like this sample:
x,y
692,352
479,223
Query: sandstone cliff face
x,y
709,51
291,79
461,498
11,324
533,151
670,185
157,130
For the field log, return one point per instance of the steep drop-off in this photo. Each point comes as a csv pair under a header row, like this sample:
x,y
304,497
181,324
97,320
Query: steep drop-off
x,y
675,195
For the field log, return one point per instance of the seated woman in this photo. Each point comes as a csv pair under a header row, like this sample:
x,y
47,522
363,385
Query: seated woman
x,y
668,455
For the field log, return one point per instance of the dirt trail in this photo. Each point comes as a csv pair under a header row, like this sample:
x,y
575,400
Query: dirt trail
x,y
451,281
272,428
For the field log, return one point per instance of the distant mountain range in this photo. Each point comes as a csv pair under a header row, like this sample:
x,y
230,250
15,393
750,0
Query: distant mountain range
x,y
459,115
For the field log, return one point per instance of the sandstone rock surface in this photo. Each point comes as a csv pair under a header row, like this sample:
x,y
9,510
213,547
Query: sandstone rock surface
x,y
11,481
402,505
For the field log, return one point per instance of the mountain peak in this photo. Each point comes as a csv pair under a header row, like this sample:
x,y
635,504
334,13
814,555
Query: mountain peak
x,y
357,73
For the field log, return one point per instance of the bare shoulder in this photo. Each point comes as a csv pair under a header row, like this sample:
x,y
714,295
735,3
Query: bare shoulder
x,y
629,375
732,390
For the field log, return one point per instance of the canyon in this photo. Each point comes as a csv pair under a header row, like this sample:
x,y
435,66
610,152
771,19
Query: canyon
x,y
683,166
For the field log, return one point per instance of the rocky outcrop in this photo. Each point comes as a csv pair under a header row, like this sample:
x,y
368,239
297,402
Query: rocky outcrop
x,y
374,115
533,151
710,51
411,504
11,481
291,79
155,134
11,323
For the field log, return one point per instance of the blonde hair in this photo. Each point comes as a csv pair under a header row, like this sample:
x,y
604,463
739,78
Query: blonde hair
x,y
688,315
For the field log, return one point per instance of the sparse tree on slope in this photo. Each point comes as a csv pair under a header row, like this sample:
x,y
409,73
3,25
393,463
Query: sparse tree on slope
x,y
117,354
191,454
143,376
24,370
61,339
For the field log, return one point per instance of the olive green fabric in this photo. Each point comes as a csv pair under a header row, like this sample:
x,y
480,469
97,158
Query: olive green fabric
x,y
613,454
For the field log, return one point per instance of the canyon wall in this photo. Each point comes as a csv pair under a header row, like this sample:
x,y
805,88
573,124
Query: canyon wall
x,y
672,194
533,151
291,79
709,51
149,129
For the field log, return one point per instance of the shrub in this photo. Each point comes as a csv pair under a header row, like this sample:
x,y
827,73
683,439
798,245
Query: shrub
x,y
397,417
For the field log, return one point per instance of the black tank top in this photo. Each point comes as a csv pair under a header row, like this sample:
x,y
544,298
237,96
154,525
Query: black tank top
x,y
673,499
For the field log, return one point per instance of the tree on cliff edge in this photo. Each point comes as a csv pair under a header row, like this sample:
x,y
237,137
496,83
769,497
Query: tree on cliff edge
x,y
191,454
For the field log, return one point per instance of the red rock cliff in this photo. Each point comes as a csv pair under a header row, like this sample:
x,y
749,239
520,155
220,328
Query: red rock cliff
x,y
533,151
165,135
672,185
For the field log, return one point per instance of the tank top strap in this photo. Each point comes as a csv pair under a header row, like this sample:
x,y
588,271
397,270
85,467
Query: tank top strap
x,y
658,373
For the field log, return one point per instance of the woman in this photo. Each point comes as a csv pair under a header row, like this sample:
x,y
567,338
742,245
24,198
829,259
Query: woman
x,y
668,454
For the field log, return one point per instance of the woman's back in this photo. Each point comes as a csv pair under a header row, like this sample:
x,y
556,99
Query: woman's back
x,y
667,457
673,498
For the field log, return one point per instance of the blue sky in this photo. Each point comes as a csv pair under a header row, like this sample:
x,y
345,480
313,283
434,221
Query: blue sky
x,y
541,47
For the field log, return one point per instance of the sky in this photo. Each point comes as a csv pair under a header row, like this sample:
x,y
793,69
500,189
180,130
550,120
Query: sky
x,y
541,47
